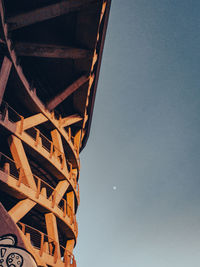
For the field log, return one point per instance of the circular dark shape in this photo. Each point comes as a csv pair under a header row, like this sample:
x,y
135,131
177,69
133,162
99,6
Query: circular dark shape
x,y
14,260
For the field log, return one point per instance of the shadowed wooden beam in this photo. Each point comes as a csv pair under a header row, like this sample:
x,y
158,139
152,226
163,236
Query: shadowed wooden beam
x,y
50,51
64,122
48,12
67,92
4,74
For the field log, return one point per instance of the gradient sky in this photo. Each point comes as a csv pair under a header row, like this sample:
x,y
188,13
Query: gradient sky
x,y
145,140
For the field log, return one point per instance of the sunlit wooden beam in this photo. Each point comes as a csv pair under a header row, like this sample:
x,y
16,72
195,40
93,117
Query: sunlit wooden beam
x,y
33,121
21,209
64,122
50,51
67,92
47,12
52,230
21,161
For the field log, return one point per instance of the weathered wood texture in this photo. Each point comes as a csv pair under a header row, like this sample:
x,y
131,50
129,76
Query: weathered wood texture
x,y
4,75
47,12
50,51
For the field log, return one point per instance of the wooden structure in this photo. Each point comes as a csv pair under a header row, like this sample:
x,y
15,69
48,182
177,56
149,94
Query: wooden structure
x,y
50,56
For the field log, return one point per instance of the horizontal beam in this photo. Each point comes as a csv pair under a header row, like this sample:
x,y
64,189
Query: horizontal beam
x,y
50,51
67,92
47,12
67,121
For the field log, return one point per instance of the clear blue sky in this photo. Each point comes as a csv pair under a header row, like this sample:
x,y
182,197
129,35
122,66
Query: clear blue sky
x,y
145,140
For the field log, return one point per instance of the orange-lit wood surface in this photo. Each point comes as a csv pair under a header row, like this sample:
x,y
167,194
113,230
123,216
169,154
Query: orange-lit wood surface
x,y
50,56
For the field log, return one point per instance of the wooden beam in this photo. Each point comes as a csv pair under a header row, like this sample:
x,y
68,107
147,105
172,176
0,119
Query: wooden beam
x,y
67,121
48,12
51,51
4,74
34,121
60,190
21,209
67,92
77,140
21,160
71,201
52,230
70,245
57,141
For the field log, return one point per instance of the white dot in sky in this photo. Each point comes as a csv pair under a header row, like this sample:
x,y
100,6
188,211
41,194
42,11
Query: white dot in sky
x,y
114,187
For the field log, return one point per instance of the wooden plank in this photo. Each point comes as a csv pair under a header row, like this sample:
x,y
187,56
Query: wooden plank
x,y
67,92
34,121
52,230
50,51
21,161
67,121
21,209
48,12
4,74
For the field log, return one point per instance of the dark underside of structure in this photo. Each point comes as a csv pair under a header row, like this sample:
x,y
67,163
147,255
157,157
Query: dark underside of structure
x,y
50,57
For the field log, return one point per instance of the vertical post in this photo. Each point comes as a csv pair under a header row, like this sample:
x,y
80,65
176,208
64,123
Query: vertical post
x,y
66,259
37,137
52,230
41,244
69,248
23,228
21,174
54,199
63,161
65,208
69,133
51,150
21,125
56,252
71,205
7,168
38,188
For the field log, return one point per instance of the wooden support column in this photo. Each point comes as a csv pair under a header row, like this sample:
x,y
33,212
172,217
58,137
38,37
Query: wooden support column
x,y
71,201
21,209
60,190
4,74
21,160
57,141
77,139
69,249
52,230
67,92
50,51
48,12
70,245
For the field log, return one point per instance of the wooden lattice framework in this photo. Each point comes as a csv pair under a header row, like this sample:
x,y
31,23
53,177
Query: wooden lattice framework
x,y
50,59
